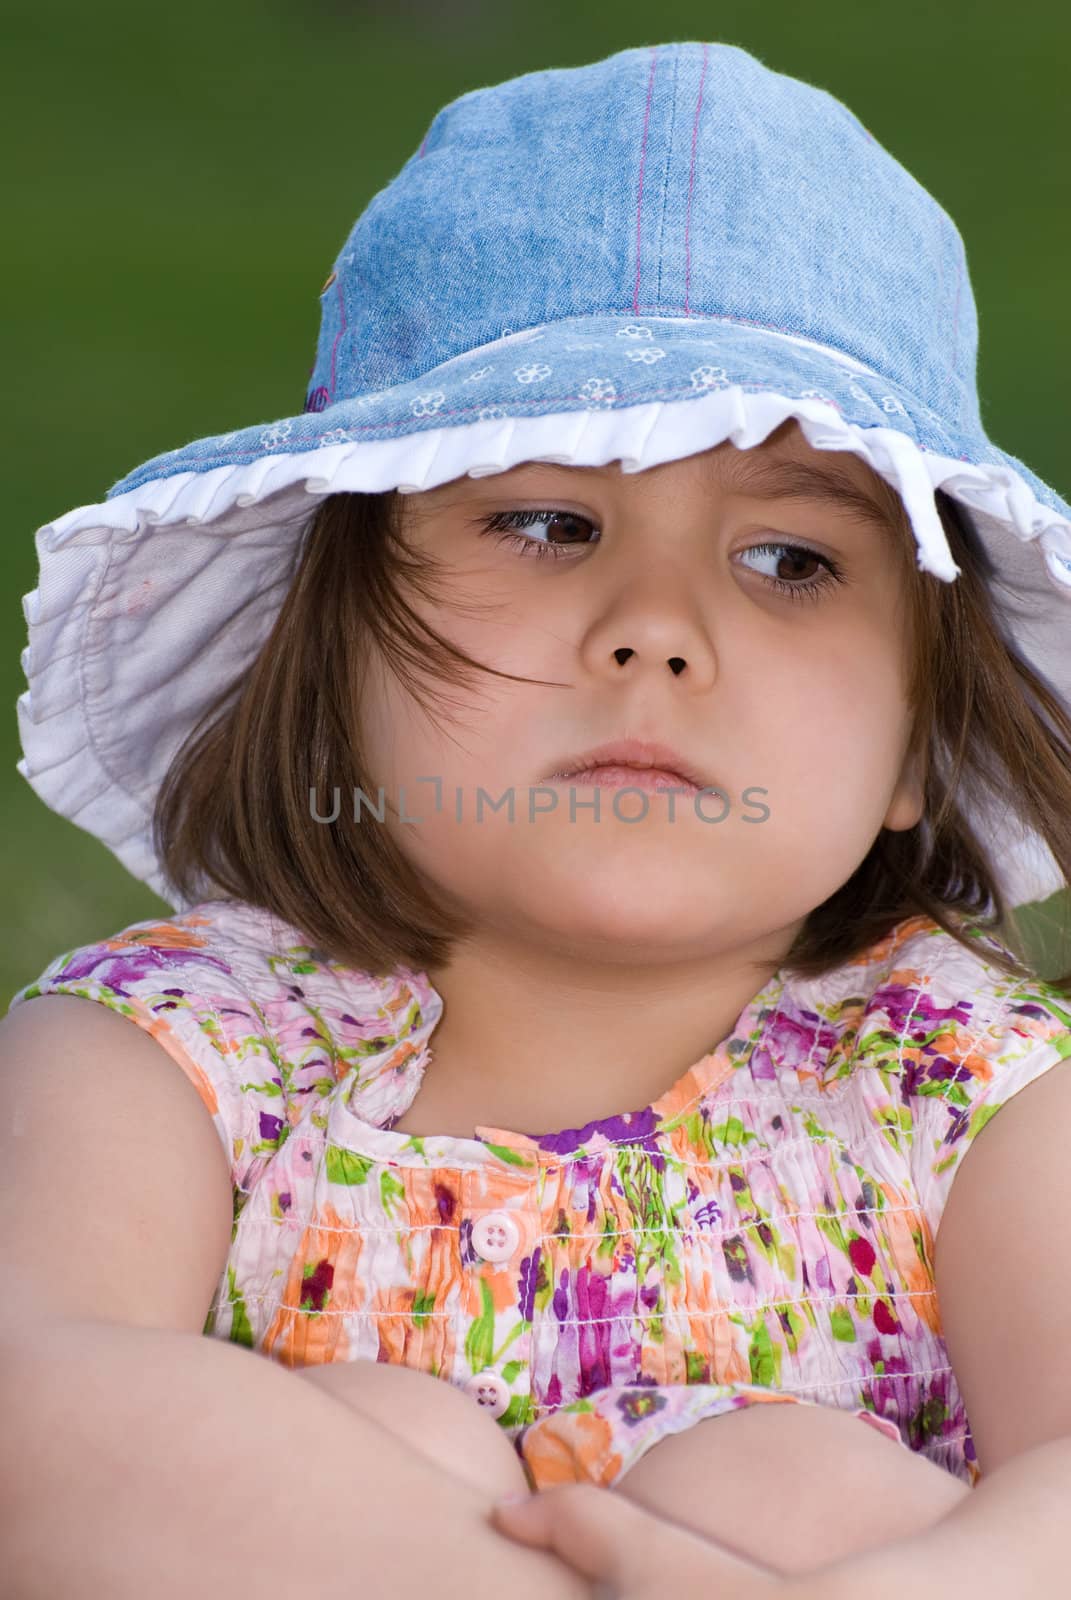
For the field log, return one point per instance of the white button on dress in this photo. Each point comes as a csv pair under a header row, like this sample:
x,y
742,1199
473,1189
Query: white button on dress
x,y
495,1236
489,1391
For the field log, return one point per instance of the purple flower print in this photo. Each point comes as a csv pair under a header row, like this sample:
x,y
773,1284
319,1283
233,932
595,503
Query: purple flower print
x,y
116,969
636,1405
795,1037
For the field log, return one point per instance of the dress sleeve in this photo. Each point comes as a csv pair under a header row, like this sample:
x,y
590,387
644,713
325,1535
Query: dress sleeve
x,y
166,979
598,1439
956,1076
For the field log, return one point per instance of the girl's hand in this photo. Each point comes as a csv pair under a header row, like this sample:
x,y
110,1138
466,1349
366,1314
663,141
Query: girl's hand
x,y
631,1554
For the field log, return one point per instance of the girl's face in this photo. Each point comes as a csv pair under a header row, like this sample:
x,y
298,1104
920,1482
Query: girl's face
x,y
659,617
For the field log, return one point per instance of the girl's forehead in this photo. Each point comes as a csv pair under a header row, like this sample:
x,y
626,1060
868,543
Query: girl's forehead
x,y
780,468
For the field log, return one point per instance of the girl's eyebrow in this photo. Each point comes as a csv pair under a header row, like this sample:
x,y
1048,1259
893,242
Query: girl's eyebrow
x,y
761,478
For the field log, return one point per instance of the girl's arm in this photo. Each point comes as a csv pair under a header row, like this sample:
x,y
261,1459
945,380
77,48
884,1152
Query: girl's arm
x,y
792,1487
434,1418
141,1461
137,1457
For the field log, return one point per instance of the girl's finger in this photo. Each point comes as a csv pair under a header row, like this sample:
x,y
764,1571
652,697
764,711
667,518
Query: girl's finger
x,y
630,1553
599,1534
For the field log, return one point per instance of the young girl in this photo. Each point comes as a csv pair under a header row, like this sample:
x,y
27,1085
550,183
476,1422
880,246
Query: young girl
x,y
588,753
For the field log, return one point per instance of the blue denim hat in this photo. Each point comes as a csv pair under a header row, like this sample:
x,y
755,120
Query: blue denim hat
x,y
629,261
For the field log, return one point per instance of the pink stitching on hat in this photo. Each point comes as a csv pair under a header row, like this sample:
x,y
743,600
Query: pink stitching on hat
x,y
643,162
691,185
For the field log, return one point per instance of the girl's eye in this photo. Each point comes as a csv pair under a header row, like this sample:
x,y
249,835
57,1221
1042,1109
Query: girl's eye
x,y
799,554
524,519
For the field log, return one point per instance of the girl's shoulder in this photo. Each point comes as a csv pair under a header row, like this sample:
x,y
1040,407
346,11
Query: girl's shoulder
x,y
215,956
257,1017
216,940
932,1010
955,1036
928,980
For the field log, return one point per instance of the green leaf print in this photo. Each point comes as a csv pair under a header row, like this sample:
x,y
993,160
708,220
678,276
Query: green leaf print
x,y
814,1128
764,1356
932,1089
264,1088
831,1227
390,1190
840,1320
733,1132
655,1230
980,1118
928,1421
343,1166
518,1328
512,1370
516,1158
241,1327
1051,1004
786,1257
544,1289
423,1304
522,1410
697,1367
934,1416
697,1127
792,1333
479,1341
779,1252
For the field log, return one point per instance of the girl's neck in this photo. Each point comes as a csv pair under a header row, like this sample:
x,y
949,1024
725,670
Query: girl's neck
x,y
535,1044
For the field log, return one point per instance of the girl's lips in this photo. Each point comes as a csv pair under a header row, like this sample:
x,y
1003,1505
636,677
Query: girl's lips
x,y
652,779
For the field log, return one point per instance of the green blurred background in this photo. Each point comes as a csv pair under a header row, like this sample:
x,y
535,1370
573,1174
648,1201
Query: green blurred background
x,y
182,177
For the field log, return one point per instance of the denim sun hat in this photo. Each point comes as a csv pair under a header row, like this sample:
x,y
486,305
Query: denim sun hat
x,y
630,261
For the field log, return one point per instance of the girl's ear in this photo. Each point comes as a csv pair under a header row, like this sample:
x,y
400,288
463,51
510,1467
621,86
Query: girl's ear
x,y
909,799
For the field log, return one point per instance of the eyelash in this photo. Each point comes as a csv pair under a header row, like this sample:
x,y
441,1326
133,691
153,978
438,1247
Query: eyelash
x,y
503,520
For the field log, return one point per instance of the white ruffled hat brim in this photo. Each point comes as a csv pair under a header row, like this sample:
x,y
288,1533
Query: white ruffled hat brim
x,y
149,602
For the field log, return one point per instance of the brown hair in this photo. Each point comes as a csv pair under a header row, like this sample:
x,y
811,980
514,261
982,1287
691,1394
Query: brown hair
x,y
233,818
